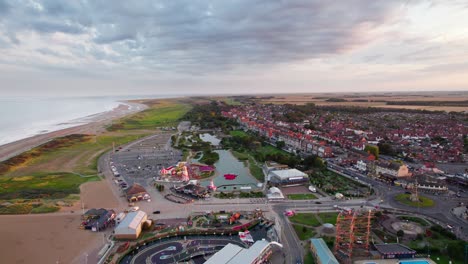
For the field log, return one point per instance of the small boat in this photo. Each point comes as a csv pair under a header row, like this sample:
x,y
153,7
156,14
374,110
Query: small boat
x,y
230,176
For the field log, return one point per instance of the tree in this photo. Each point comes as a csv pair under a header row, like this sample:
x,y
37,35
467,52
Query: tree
x,y
374,150
280,144
386,148
400,233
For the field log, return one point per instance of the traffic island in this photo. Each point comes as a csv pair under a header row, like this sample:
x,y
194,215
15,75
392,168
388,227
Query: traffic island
x,y
422,201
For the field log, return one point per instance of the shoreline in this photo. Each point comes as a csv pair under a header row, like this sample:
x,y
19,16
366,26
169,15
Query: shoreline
x,y
95,124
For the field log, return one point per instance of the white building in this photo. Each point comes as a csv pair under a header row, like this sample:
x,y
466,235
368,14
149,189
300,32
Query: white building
x,y
275,193
287,177
233,254
130,227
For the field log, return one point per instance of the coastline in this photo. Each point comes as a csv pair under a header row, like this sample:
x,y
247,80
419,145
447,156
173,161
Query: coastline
x,y
95,124
57,228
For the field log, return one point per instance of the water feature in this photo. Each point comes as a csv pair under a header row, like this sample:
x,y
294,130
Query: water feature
x,y
210,138
228,164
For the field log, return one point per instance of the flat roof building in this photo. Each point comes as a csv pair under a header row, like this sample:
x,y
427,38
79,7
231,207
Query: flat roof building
x,y
392,251
259,252
130,227
322,254
287,177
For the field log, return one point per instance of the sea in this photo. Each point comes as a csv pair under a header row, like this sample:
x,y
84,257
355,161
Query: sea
x,y
22,117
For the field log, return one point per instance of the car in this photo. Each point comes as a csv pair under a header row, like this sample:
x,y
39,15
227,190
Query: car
x,y
298,261
156,212
289,213
135,208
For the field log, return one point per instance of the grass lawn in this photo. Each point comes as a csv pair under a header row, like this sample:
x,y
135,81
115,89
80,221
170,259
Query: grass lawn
x,y
240,155
269,149
41,185
306,219
238,133
301,196
328,217
304,233
423,201
255,170
414,219
165,113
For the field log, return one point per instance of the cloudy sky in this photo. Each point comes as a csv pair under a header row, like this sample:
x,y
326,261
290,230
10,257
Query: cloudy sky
x,y
92,47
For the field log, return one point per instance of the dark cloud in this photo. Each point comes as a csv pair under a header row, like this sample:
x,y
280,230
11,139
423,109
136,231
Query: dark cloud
x,y
199,35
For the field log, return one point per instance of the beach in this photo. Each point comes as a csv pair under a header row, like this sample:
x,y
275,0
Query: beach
x,y
96,125
56,237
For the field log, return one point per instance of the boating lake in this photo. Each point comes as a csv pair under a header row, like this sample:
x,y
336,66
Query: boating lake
x,y
228,164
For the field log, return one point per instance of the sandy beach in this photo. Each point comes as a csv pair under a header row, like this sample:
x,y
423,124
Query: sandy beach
x,y
56,237
96,125
48,238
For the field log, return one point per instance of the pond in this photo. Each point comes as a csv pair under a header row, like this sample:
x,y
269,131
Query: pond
x,y
228,164
210,138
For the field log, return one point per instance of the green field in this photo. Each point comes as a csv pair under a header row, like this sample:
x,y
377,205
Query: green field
x,y
302,196
306,219
238,133
423,201
165,113
328,217
255,170
46,185
304,233
312,219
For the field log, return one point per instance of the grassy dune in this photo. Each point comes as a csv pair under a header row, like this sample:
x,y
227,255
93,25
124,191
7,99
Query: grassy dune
x,y
164,113
34,181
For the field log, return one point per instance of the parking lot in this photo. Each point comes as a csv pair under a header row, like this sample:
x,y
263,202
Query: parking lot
x,y
141,161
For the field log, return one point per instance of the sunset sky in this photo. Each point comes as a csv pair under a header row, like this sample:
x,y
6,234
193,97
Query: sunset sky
x,y
228,47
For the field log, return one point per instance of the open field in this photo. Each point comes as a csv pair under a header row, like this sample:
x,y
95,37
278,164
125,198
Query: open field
x,y
372,99
302,196
161,113
313,219
303,232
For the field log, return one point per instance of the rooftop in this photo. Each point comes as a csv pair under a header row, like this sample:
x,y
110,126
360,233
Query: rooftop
x,y
285,174
393,249
233,254
130,222
323,252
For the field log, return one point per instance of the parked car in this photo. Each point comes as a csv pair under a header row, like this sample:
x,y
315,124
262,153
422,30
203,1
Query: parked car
x,y
156,212
135,208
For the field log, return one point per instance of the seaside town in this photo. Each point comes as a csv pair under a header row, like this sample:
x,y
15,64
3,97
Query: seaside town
x,y
234,132
249,182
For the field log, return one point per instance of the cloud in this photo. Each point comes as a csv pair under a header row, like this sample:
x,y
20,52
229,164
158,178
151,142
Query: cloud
x,y
196,36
